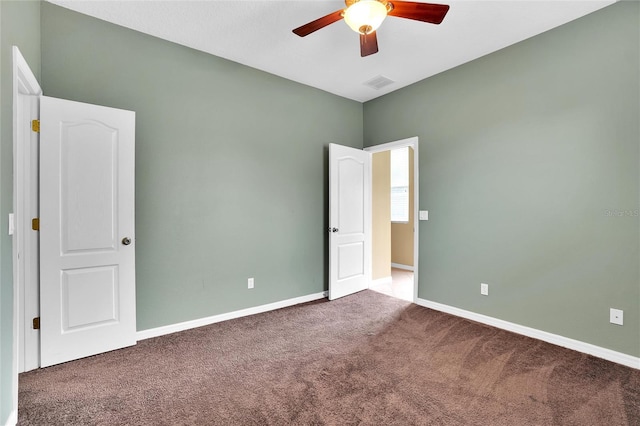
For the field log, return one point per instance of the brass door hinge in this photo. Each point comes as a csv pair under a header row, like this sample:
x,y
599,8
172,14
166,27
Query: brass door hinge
x,y
35,224
36,323
35,126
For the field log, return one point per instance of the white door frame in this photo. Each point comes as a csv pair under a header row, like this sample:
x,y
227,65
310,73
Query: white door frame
x,y
413,143
26,92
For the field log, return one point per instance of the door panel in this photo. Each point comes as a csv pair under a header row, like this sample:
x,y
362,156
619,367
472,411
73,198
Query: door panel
x,y
88,154
87,283
79,285
350,220
351,195
350,260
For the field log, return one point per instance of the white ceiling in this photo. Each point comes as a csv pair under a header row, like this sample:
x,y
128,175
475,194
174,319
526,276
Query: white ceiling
x,y
258,34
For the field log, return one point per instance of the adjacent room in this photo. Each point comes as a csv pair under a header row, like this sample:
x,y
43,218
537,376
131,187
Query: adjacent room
x,y
496,276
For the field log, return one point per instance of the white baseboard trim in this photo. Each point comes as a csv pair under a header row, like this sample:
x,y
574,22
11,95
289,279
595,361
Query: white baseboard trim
x,y
173,328
576,345
380,281
401,266
12,420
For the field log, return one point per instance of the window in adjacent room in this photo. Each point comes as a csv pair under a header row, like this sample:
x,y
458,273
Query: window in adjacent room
x,y
400,185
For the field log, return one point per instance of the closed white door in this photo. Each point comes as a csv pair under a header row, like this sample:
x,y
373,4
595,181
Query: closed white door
x,y
349,220
87,240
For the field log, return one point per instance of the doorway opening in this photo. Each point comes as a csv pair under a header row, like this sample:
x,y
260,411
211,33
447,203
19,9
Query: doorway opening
x,y
395,218
399,286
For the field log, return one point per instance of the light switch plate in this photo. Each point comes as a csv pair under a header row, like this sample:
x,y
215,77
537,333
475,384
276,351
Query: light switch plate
x,y
424,214
11,227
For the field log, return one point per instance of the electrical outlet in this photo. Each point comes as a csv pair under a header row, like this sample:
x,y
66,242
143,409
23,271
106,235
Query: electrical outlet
x,y
250,283
616,316
484,289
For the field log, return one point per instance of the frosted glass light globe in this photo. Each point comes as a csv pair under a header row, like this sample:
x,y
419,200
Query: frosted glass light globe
x,y
365,16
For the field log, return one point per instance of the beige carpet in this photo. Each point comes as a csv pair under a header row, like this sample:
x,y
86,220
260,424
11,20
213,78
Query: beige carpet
x,y
365,359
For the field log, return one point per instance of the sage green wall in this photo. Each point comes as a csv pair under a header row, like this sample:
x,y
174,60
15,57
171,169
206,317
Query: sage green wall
x,y
20,26
231,166
522,155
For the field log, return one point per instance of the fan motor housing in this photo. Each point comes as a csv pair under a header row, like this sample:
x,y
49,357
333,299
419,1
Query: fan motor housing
x,y
386,3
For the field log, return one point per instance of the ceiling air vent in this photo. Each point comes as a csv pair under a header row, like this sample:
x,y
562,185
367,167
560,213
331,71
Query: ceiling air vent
x,y
378,82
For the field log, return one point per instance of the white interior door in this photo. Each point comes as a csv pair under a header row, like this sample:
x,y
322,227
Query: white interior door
x,y
349,220
87,256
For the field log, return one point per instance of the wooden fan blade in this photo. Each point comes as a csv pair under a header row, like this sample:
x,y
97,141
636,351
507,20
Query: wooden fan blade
x,y
312,26
425,12
368,44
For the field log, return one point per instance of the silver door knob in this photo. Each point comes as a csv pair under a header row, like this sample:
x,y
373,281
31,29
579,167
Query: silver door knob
x,y
126,241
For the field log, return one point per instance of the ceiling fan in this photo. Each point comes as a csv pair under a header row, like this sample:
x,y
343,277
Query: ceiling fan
x,y
365,16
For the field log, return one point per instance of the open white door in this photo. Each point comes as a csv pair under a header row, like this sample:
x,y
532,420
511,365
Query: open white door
x,y
87,256
349,220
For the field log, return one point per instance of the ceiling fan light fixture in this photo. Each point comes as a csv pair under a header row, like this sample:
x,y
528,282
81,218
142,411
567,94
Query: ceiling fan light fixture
x,y
365,16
